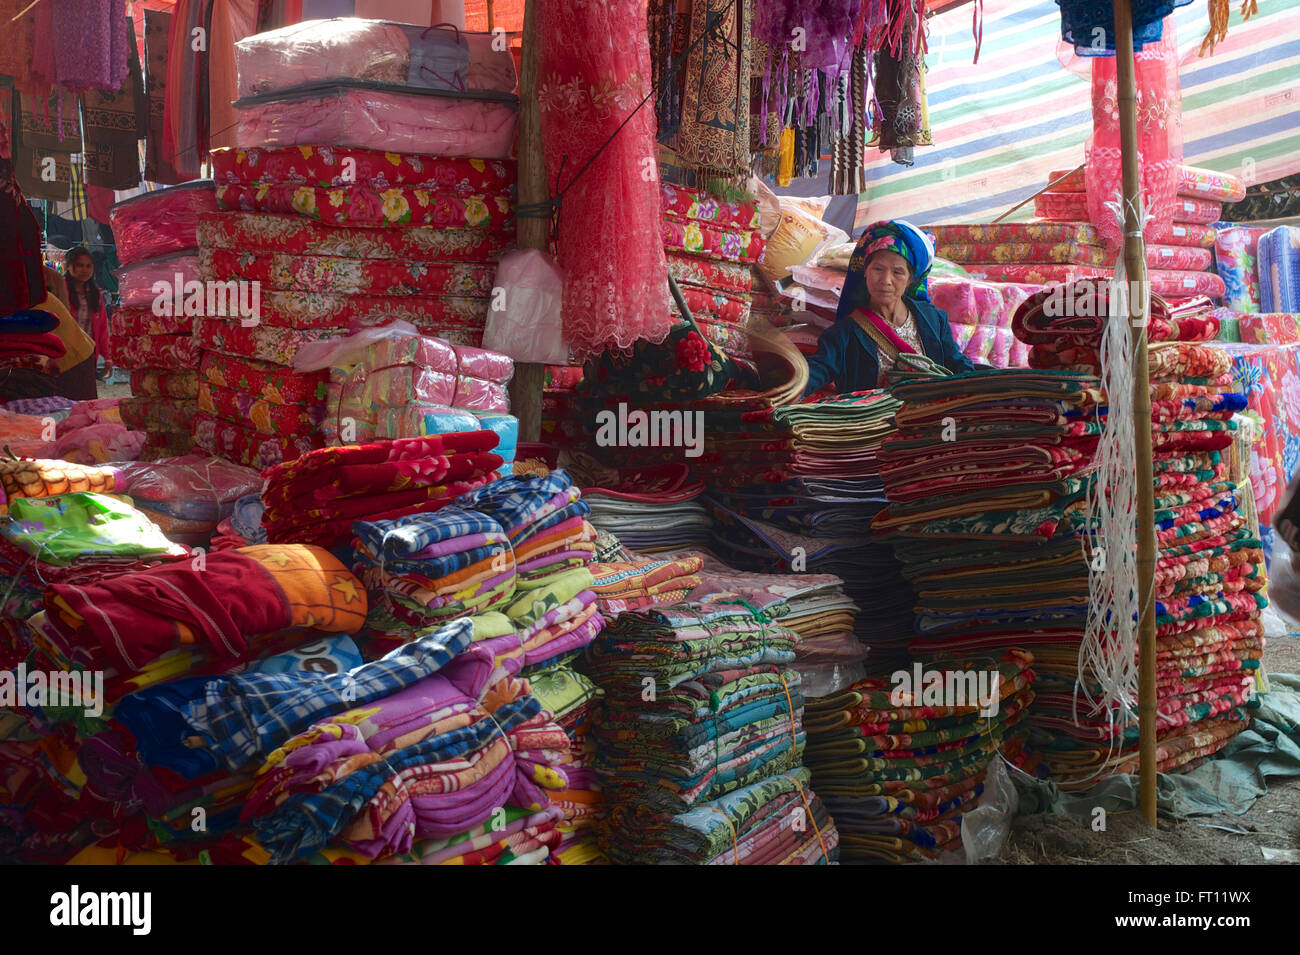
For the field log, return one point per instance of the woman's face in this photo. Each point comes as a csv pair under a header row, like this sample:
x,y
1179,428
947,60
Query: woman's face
x,y
887,274
82,268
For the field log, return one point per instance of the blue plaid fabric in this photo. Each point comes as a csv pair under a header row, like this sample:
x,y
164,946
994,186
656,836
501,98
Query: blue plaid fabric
x,y
413,533
243,718
307,823
578,508
514,501
449,563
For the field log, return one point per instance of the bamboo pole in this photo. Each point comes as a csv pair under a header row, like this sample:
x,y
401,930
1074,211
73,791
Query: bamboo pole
x,y
530,232
1136,266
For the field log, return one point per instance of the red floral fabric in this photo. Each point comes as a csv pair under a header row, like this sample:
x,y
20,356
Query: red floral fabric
x,y
293,234
158,351
715,306
359,205
1268,328
245,446
264,380
686,203
166,384
127,323
352,276
704,238
710,273
265,417
279,344
340,310
331,166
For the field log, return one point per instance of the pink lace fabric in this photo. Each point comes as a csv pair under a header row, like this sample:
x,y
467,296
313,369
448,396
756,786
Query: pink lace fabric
x,y
1160,138
593,70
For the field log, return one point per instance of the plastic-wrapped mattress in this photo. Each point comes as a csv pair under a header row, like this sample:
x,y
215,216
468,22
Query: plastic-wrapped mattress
x,y
381,51
160,222
381,116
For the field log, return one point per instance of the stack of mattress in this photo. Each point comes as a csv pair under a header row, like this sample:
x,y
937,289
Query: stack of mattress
x,y
712,245
699,741
1179,257
1236,249
157,242
898,770
361,192
1279,270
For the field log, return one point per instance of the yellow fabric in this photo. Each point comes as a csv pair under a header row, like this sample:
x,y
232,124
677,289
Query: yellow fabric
x,y
79,345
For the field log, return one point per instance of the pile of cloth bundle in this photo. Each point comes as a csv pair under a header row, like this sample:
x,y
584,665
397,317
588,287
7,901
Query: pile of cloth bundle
x,y
712,246
699,740
1179,256
898,768
987,479
517,555
162,303
27,340
85,432
793,489
650,509
263,733
1261,270
353,201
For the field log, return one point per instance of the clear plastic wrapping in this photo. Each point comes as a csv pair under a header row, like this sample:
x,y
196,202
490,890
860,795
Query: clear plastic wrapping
x,y
192,487
135,283
374,116
160,222
530,327
438,57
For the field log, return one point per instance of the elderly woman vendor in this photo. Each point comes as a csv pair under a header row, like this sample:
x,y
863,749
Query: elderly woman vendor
x,y
884,311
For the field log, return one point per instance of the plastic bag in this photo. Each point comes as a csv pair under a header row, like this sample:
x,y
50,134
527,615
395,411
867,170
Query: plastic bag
x,y
192,487
529,327
371,116
798,237
984,830
160,222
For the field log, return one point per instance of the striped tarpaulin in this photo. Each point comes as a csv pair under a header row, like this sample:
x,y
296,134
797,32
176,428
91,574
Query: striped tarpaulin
x,y
1002,125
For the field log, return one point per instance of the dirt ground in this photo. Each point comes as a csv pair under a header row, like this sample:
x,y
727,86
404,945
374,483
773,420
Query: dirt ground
x,y
1225,839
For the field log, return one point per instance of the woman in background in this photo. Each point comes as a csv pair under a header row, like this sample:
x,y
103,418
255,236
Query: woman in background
x,y
884,311
87,304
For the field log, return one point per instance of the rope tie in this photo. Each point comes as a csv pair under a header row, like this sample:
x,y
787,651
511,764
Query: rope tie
x,y
735,841
811,818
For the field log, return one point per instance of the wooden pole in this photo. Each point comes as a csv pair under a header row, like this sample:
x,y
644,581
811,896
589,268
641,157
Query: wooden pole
x,y
530,233
1061,178
1136,266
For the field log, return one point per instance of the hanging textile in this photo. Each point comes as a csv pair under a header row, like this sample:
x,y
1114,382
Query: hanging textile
x,y
91,42
181,94
1159,138
22,278
158,166
232,21
593,72
113,125
714,131
902,119
848,166
44,131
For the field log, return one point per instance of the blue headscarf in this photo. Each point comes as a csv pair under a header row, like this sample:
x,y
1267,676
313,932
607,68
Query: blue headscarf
x,y
893,235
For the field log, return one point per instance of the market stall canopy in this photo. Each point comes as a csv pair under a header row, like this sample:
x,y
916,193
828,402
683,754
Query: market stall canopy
x,y
1002,126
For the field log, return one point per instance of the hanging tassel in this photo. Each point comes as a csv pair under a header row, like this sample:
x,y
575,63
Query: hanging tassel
x,y
1218,31
977,27
1248,9
785,167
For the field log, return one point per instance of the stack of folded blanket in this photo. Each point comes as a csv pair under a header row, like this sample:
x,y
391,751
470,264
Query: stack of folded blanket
x,y
143,628
1179,257
650,509
699,742
316,498
898,768
818,487
27,340
711,246
349,213
163,299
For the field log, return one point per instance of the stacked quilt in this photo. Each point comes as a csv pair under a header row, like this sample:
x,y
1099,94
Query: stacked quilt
x,y
353,202
1279,270
699,742
898,769
317,497
163,301
650,509
712,245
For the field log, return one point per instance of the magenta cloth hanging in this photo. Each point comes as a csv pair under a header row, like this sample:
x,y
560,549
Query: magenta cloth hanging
x,y
593,71
1159,138
90,44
